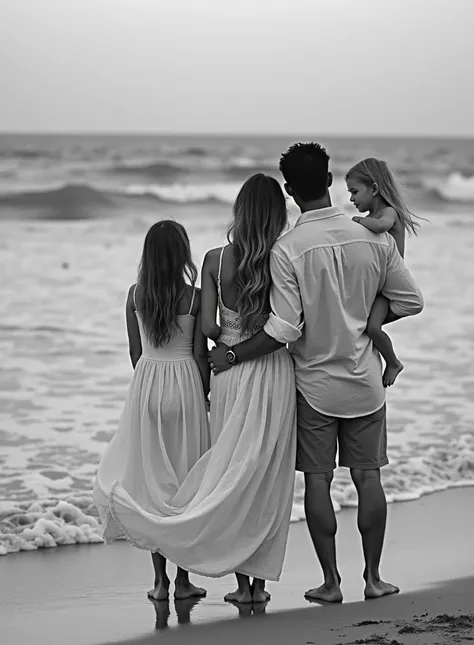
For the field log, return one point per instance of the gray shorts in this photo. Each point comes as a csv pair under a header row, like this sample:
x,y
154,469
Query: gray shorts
x,y
362,441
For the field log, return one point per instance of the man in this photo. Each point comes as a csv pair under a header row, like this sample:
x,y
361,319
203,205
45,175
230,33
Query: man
x,y
326,273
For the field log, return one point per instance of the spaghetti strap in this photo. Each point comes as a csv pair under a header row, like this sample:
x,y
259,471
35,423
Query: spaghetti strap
x,y
134,297
192,300
219,275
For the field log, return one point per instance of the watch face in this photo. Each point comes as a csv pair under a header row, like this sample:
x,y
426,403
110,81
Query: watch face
x,y
230,356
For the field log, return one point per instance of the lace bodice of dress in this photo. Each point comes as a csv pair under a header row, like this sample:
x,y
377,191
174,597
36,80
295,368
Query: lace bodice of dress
x,y
230,320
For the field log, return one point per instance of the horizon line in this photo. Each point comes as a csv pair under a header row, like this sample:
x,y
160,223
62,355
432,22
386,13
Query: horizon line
x,y
331,135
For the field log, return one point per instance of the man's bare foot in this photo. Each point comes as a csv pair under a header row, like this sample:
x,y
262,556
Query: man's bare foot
x,y
325,593
160,591
240,596
185,589
391,373
379,588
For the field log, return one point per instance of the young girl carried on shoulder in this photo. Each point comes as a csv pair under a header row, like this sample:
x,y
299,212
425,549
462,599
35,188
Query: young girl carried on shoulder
x,y
373,188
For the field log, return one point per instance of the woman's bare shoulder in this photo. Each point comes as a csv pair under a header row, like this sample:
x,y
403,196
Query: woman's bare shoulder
x,y
211,259
131,294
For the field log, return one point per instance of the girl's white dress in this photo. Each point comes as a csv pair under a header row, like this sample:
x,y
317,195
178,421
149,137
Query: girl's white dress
x,y
231,512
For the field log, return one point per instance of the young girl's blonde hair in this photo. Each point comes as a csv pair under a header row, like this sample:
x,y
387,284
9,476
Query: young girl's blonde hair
x,y
373,171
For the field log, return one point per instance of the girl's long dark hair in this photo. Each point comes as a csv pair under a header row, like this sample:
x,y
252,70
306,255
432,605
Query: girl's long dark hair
x,y
260,216
166,262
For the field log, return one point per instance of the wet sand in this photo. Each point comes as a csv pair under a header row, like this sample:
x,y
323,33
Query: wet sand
x,y
94,594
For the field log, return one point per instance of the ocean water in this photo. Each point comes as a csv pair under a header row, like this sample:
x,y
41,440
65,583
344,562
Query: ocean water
x,y
73,214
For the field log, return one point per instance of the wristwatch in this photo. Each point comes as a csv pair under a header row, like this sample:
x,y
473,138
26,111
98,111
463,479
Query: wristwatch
x,y
230,356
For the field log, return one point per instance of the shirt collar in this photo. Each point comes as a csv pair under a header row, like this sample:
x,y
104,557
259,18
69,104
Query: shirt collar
x,y
320,213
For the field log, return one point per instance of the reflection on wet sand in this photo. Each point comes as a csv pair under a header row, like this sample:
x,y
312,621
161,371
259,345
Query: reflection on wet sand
x,y
250,609
184,608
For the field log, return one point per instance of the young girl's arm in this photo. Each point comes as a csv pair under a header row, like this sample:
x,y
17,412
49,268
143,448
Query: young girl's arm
x,y
209,327
380,225
200,349
134,342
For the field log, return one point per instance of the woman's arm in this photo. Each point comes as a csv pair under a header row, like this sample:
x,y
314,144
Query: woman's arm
x,y
133,331
200,350
380,225
208,310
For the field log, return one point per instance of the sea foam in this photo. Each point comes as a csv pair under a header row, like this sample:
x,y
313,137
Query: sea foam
x,y
74,520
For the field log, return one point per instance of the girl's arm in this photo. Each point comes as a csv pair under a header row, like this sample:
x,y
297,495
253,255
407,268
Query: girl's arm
x,y
380,225
209,327
133,331
200,350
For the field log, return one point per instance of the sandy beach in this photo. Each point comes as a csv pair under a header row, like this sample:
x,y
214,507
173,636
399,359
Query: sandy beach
x,y
93,595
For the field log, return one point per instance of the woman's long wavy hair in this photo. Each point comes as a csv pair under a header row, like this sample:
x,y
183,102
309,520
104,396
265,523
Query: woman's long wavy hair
x,y
373,171
260,217
165,264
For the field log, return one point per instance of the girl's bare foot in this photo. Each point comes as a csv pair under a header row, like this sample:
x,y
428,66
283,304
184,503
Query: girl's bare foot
x,y
391,373
184,589
379,588
160,590
242,596
326,593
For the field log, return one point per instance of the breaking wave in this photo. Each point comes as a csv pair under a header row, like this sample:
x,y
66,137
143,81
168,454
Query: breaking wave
x,y
83,201
72,201
455,188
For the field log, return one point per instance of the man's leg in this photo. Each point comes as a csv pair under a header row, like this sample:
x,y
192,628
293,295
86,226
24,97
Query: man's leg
x,y
322,526
315,456
363,449
371,520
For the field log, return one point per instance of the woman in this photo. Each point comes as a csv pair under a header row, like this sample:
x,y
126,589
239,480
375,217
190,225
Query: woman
x,y
252,405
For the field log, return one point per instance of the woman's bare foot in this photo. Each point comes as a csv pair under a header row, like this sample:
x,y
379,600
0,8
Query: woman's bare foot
x,y
326,593
184,589
260,595
160,590
391,373
379,588
258,591
242,596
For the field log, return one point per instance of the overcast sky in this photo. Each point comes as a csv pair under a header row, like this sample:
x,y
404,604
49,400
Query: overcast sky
x,y
238,66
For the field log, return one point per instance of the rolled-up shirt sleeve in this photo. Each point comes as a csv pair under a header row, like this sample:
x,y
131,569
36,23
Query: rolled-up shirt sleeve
x,y
285,322
400,288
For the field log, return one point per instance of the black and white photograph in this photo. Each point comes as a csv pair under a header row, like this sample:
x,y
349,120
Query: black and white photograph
x,y
236,322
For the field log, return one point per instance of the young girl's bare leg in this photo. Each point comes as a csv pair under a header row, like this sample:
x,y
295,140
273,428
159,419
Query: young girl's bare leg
x,y
258,591
162,582
184,589
243,593
382,341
